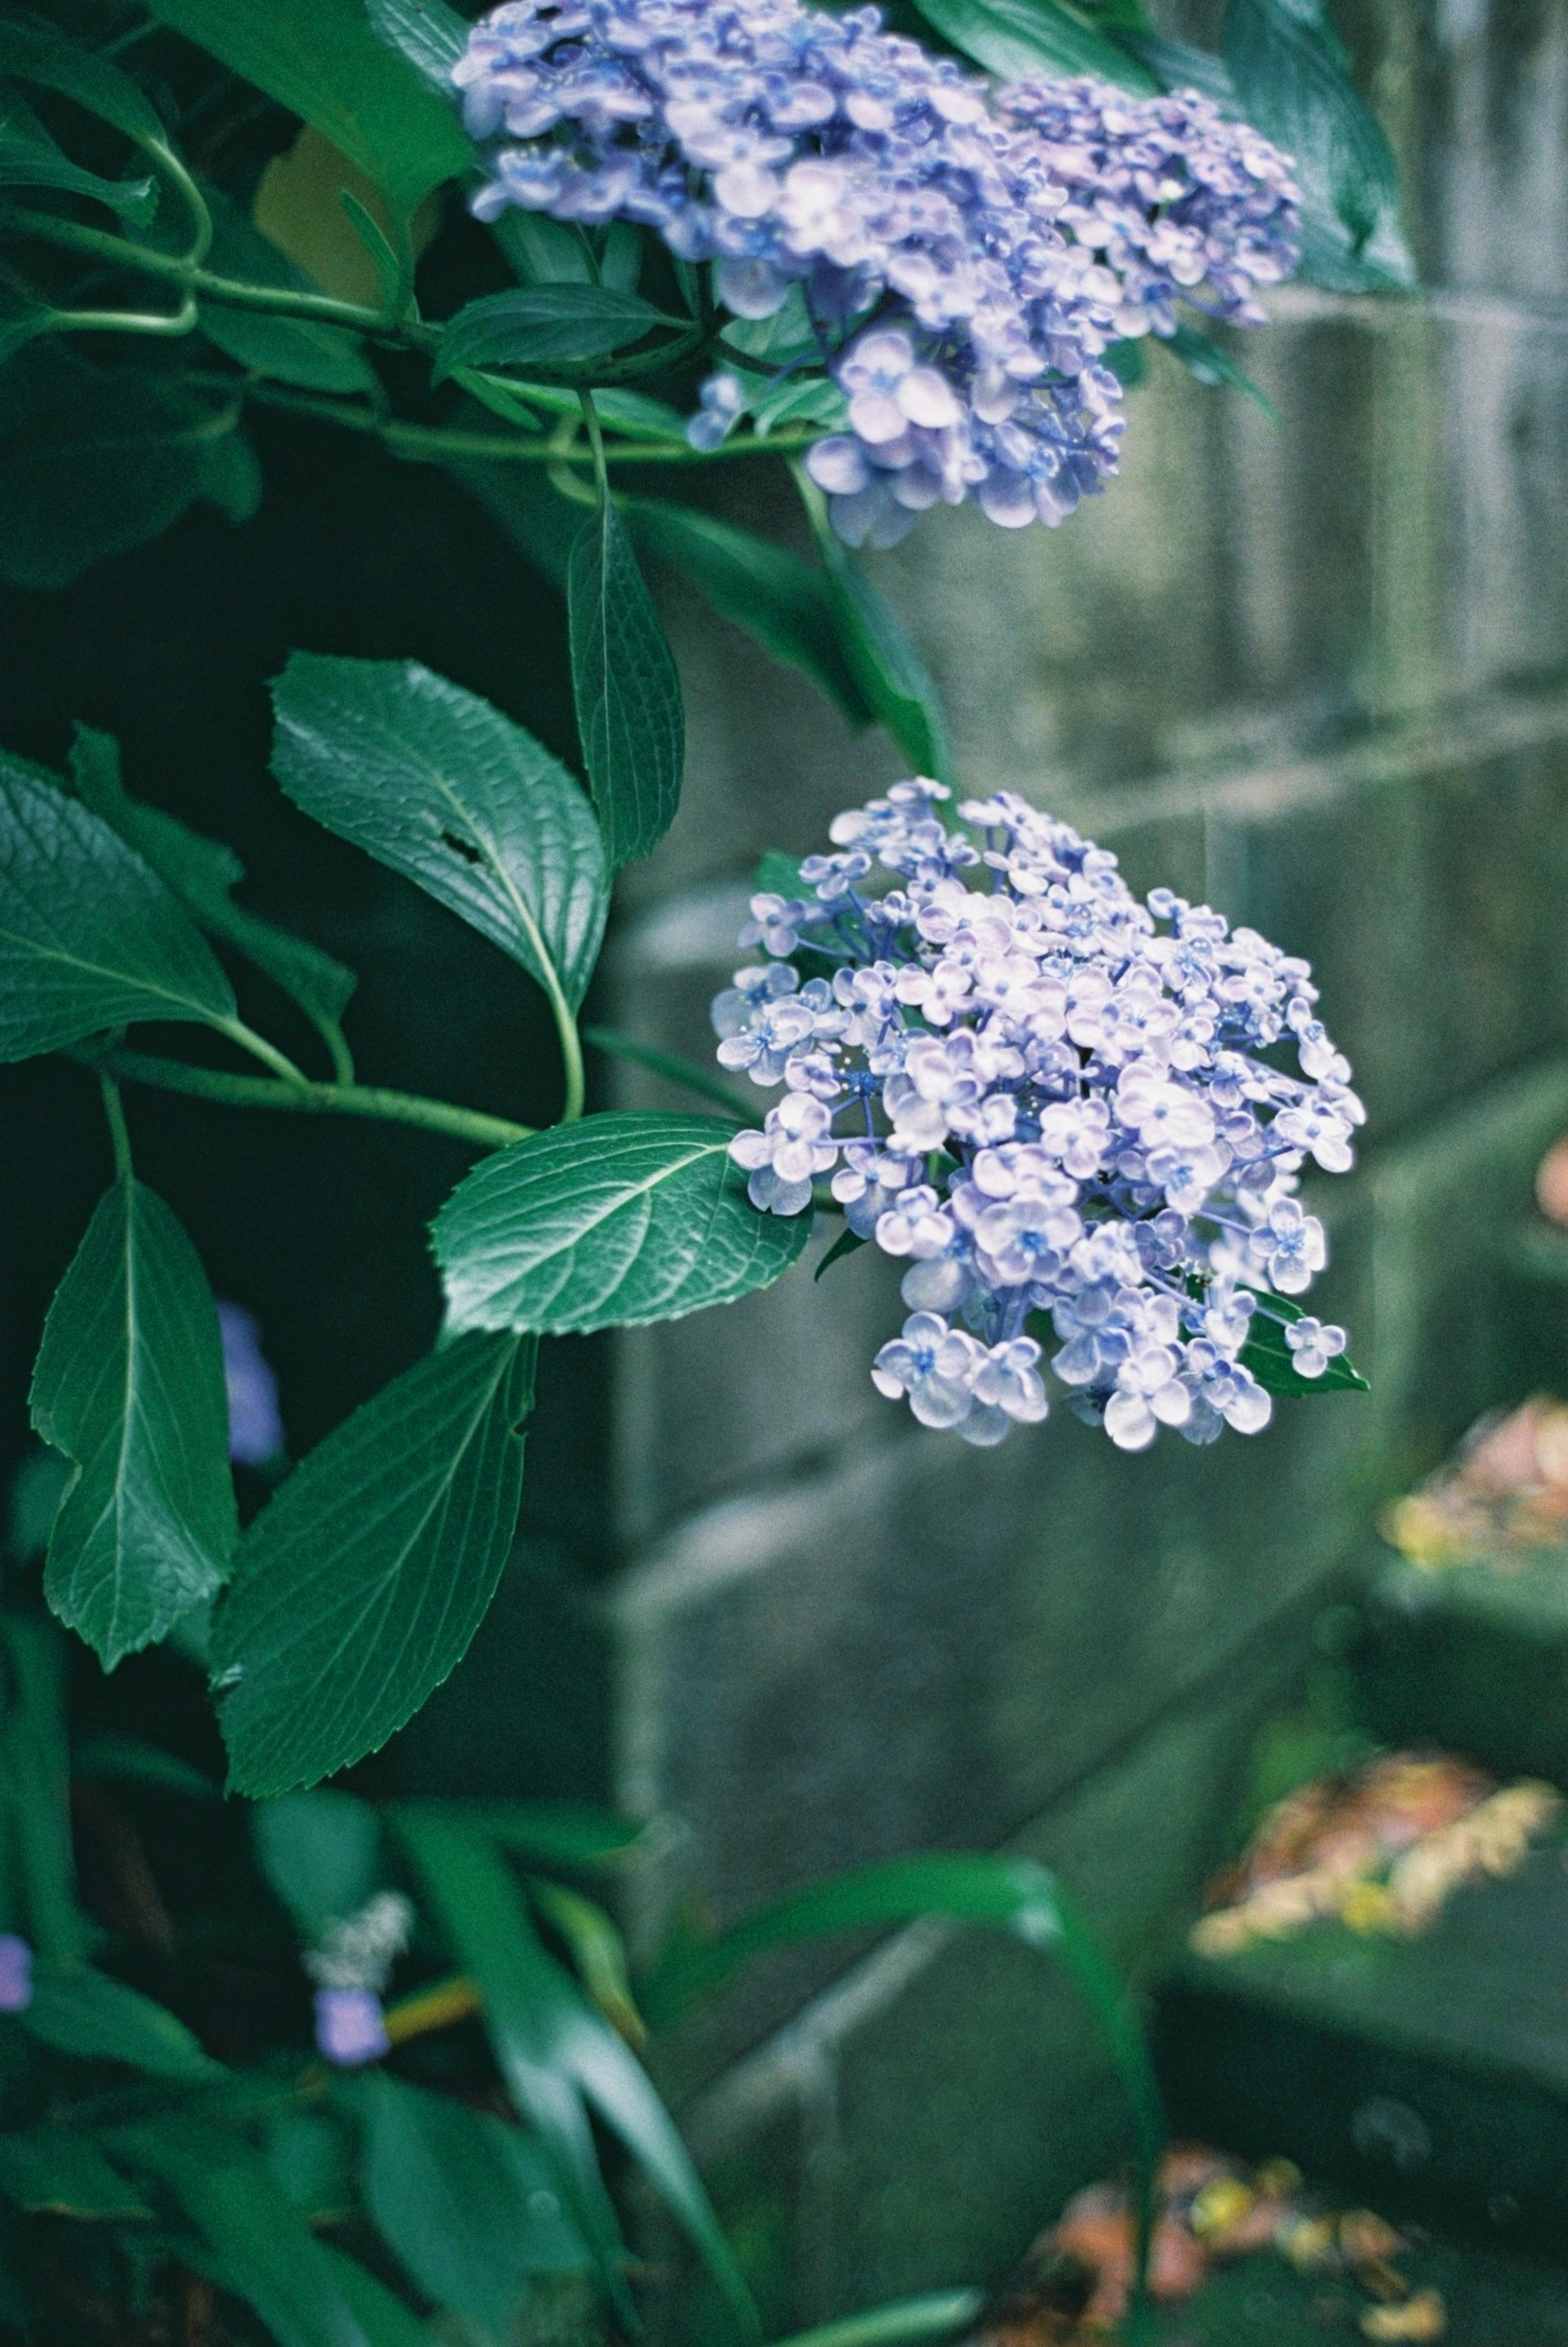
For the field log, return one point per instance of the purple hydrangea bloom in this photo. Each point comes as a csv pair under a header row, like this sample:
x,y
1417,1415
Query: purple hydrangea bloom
x,y
1052,1102
16,1974
255,1428
960,256
351,2028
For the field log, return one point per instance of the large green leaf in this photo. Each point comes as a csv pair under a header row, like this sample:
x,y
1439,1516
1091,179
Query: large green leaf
x,y
427,33
320,1852
95,460
608,1224
1013,1894
129,1386
464,2201
32,53
775,596
300,351
1291,77
98,2019
202,873
1015,38
538,325
88,937
53,2171
892,678
322,59
29,158
554,2050
433,781
266,2253
360,1584
629,709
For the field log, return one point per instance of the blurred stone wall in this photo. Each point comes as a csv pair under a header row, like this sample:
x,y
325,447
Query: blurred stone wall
x,y
1313,672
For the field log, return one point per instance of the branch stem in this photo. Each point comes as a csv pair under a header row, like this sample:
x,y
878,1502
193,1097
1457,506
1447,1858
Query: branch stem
x,y
119,1133
436,444
310,1098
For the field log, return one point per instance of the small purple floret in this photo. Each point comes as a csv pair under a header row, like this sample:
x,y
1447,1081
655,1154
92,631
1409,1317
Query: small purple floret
x,y
255,1429
16,1974
350,2027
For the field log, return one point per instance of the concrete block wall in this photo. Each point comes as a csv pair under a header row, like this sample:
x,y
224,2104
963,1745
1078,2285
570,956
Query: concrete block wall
x,y
1317,674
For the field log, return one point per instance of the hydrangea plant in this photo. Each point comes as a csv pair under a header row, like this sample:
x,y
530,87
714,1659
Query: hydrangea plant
x,y
712,231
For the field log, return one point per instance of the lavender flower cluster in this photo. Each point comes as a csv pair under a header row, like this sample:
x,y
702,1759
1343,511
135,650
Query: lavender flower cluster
x,y
964,255
1053,1103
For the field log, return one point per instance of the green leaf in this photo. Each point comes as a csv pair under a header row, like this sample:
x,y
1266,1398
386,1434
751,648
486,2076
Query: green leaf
x,y
936,2315
463,2200
96,460
543,252
320,1852
20,319
1292,79
266,2252
129,1385
131,1760
322,59
598,1952
379,2313
202,873
536,325
100,2020
1273,1364
845,1244
433,781
38,1872
892,678
291,349
554,2050
1209,363
482,1915
427,34
32,54
783,602
1015,38
1012,1895
358,1587
610,1223
1016,1893
29,158
49,2171
561,1833
627,690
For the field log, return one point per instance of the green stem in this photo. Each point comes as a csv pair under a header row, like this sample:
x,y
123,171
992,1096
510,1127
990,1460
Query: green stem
x,y
174,323
119,1133
308,1099
336,1041
436,444
260,1049
282,300
595,442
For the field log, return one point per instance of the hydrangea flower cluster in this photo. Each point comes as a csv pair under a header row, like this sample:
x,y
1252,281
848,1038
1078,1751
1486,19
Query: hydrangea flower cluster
x,y
966,254
350,1965
1065,1109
